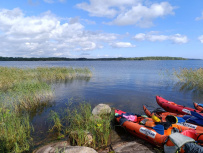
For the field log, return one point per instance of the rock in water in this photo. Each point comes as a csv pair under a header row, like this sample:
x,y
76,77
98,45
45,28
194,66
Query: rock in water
x,y
101,109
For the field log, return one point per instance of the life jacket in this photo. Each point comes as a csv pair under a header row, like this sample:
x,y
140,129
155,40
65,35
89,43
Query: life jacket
x,y
168,127
176,142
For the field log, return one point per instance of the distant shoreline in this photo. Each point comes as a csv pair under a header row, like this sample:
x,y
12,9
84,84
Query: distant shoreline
x,y
91,59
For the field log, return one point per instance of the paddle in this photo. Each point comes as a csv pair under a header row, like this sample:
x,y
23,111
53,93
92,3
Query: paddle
x,y
159,129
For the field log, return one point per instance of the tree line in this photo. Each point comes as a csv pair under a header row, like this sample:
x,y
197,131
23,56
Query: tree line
x,y
88,59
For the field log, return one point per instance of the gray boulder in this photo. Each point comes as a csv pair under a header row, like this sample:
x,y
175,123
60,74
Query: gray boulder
x,y
101,109
133,147
52,147
64,147
78,149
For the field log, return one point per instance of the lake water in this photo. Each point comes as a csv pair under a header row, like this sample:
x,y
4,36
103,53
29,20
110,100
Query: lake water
x,y
125,85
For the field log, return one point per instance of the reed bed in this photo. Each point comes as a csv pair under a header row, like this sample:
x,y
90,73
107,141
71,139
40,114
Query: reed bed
x,y
191,79
29,96
28,88
59,74
11,76
23,91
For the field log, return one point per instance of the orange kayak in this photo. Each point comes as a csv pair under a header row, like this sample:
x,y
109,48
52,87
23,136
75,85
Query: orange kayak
x,y
147,132
198,107
143,132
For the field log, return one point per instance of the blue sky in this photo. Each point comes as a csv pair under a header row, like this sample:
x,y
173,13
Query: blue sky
x,y
101,28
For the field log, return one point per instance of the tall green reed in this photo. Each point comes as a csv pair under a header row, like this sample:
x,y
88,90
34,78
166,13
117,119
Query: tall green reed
x,y
57,125
81,122
15,131
191,79
83,128
11,76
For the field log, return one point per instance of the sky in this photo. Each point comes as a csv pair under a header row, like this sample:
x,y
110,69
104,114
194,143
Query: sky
x,y
101,28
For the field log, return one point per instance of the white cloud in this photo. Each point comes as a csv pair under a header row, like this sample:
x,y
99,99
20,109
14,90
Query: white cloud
x,y
128,12
122,45
201,38
105,8
45,35
177,38
157,37
142,15
88,21
199,18
85,46
140,37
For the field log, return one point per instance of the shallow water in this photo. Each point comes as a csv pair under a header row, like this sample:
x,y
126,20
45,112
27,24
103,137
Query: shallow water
x,y
125,85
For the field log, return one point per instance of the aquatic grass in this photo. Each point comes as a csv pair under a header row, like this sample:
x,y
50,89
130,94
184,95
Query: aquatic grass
x,y
191,79
61,73
57,125
15,131
81,123
28,96
83,128
29,88
11,76
24,91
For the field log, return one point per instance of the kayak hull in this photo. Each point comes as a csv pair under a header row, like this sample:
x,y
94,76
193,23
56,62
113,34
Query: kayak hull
x,y
173,107
143,132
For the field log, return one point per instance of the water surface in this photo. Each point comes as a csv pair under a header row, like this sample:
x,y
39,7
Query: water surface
x,y
125,85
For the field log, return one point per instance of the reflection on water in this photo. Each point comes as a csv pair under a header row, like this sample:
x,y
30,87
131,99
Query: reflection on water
x,y
125,85
40,109
185,87
70,81
196,94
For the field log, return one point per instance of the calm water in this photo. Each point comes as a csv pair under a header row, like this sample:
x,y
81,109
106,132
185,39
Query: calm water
x,y
125,85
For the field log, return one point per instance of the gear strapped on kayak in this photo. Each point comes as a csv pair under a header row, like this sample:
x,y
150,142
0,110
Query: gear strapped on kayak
x,y
172,137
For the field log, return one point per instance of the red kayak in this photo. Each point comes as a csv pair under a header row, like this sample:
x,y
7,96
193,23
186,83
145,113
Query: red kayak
x,y
175,108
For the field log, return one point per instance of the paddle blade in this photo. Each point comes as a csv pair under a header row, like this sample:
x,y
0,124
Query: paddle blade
x,y
159,129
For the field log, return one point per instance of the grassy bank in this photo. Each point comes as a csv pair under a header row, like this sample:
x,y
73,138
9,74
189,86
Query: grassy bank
x,y
23,91
191,79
